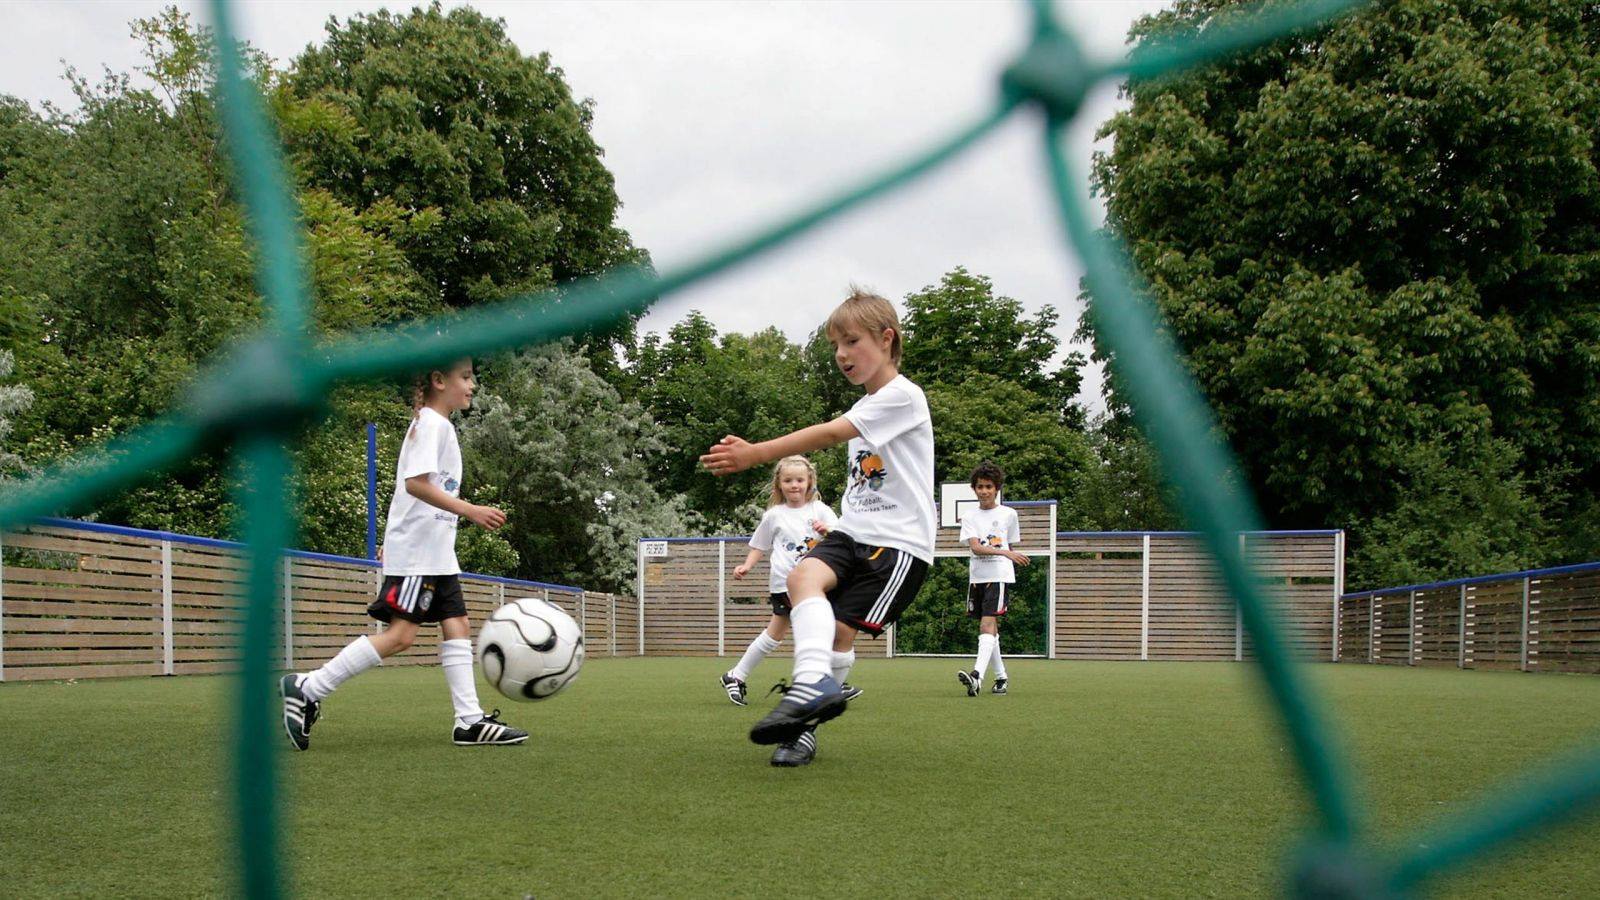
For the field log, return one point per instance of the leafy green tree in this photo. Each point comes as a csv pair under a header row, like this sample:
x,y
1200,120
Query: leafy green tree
x,y
1375,238
13,399
439,111
987,417
566,457
959,328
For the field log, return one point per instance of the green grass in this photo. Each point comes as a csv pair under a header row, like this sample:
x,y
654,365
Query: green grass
x,y
1089,779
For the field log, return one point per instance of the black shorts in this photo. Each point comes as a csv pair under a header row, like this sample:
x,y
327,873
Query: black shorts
x,y
780,604
987,598
876,584
418,598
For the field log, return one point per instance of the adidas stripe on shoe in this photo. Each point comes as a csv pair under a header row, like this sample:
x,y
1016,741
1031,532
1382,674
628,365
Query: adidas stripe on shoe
x,y
803,706
735,689
798,752
970,681
489,731
299,711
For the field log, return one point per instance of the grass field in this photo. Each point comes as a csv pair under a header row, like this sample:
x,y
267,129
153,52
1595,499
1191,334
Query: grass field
x,y
1088,779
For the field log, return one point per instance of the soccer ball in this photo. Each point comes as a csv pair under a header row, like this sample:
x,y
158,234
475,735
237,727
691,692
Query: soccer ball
x,y
530,649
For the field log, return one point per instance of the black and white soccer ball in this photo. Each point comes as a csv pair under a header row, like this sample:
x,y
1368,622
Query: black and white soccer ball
x,y
530,649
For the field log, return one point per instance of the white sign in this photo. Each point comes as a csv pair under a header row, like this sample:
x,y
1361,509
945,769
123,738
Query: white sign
x,y
954,498
655,548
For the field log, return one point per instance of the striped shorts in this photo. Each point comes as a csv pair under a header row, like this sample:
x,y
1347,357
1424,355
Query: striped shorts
x,y
418,598
876,584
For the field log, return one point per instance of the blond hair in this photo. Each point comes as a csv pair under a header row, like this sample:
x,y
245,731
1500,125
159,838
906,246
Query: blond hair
x,y
776,497
867,312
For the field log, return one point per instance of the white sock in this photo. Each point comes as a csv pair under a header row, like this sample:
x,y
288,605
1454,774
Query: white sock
x,y
456,657
986,644
812,621
999,664
357,656
842,663
753,655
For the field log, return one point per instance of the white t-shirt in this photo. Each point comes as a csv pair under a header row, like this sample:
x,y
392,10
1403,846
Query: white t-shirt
x,y
420,538
888,495
997,528
788,533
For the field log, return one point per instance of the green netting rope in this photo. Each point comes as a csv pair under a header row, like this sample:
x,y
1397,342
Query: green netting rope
x,y
251,402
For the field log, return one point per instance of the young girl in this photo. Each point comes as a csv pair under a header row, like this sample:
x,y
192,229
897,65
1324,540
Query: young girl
x,y
421,580
796,519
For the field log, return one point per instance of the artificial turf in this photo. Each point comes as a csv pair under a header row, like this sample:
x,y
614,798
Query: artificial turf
x,y
1088,779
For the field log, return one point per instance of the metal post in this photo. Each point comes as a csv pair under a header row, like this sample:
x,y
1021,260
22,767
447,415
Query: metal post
x,y
1527,582
611,623
166,608
500,594
888,649
1461,636
722,593
288,612
1411,630
1338,588
1050,592
1372,628
639,560
1144,602
1238,614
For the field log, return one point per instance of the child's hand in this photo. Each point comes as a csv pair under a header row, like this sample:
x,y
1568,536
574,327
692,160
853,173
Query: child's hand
x,y
820,527
740,570
486,517
731,454
1017,558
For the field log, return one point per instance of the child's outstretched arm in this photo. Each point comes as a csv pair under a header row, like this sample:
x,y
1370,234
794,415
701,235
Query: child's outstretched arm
x,y
421,488
750,559
735,454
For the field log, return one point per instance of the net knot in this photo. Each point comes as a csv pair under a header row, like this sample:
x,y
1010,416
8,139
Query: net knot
x,y
1052,72
265,385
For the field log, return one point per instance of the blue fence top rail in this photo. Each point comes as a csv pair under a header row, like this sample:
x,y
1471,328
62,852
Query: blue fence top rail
x,y
1477,579
1313,532
126,531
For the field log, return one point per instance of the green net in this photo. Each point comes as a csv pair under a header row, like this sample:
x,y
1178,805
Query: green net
x,y
253,401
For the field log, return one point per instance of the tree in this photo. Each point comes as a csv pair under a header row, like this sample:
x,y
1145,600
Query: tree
x,y
13,399
566,457
1376,238
959,328
987,417
440,112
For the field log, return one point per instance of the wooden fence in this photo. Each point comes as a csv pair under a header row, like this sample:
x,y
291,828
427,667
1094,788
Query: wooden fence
x,y
1541,620
82,600
1112,595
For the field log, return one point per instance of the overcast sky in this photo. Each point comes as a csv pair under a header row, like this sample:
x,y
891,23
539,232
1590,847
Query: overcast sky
x,y
716,117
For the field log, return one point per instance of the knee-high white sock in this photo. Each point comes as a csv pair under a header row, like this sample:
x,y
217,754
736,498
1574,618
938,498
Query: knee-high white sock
x,y
357,656
456,658
999,664
812,621
753,655
842,663
986,644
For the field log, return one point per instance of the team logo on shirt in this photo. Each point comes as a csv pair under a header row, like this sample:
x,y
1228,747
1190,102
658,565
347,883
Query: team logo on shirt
x,y
450,485
811,540
994,540
867,468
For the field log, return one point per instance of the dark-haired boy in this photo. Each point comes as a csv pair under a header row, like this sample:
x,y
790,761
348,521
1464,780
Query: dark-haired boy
x,y
991,531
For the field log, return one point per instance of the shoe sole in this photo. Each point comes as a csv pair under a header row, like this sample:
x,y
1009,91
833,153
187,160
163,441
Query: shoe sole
x,y
966,682
786,729
793,765
519,740
288,727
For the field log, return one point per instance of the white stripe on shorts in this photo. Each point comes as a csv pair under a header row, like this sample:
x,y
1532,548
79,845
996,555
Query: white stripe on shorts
x,y
902,565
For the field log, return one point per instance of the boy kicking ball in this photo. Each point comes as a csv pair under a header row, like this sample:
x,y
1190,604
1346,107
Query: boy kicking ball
x,y
991,531
864,574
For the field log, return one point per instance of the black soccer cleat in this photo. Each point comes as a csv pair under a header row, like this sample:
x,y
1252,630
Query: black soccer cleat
x,y
850,691
798,752
489,731
971,681
299,711
735,689
803,706
999,686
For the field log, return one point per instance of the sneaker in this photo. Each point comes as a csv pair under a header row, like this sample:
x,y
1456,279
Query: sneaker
x,y
299,711
803,706
735,689
489,730
850,691
970,681
999,686
798,752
